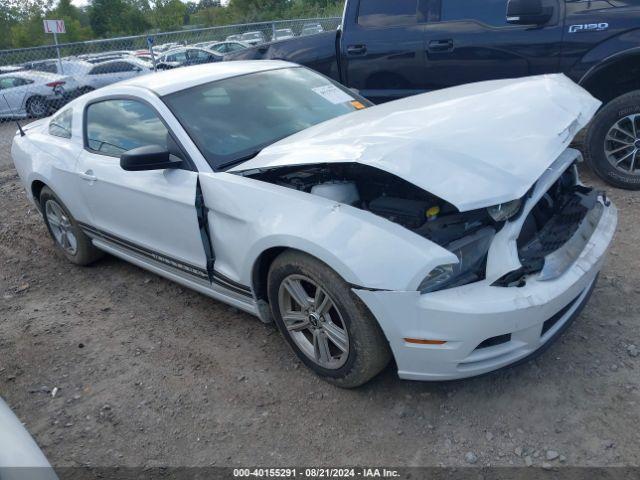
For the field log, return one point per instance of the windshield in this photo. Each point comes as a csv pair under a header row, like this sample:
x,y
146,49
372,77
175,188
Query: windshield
x,y
233,119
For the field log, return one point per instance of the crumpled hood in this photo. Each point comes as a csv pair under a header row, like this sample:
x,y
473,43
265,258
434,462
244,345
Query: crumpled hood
x,y
474,146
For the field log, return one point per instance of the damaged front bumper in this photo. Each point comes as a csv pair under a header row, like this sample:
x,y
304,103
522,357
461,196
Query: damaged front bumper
x,y
485,327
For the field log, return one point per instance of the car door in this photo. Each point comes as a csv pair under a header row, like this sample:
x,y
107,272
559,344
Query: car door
x,y
383,51
13,91
147,213
472,42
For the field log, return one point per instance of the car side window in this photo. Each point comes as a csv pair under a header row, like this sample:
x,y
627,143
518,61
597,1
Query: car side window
x,y
385,13
7,82
100,69
489,12
60,125
115,126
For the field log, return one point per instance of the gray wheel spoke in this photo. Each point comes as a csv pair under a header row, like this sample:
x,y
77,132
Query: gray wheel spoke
x,y
336,335
298,293
624,132
632,166
321,347
296,321
322,302
617,150
625,157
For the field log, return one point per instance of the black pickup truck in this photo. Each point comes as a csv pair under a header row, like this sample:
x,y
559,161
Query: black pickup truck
x,y
389,49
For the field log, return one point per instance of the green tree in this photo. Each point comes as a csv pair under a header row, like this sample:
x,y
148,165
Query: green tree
x,y
110,18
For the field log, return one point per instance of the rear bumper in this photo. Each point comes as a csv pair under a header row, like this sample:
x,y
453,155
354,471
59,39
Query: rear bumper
x,y
507,323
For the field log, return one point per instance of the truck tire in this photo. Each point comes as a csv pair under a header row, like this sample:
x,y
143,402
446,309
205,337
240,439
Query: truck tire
x,y
612,142
325,323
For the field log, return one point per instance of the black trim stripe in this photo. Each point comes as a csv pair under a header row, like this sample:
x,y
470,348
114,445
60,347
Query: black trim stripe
x,y
194,271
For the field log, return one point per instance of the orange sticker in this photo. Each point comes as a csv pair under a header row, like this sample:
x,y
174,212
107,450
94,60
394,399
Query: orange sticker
x,y
358,105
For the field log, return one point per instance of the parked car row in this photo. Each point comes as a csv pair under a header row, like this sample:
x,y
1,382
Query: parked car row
x,y
258,37
40,87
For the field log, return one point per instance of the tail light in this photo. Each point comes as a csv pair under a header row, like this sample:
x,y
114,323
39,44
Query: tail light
x,y
55,84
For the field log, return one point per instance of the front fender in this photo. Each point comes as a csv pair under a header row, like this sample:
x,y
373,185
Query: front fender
x,y
605,54
248,217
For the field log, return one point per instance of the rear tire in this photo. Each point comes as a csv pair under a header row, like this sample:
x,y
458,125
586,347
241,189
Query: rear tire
x,y
67,235
37,107
354,348
613,137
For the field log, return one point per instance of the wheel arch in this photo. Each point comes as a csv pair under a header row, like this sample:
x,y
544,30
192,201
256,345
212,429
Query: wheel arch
x,y
615,76
36,189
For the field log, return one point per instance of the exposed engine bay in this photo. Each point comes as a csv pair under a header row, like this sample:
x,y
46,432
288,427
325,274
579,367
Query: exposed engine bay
x,y
383,194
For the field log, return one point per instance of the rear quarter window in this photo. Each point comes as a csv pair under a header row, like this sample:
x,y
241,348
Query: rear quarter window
x,y
61,125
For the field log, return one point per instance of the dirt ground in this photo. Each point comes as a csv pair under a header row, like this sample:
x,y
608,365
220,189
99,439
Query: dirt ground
x,y
148,373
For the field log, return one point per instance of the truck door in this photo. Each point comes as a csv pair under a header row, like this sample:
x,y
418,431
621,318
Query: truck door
x,y
471,41
383,48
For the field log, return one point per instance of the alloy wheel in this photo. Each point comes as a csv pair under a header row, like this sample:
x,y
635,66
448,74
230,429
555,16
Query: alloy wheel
x,y
61,227
313,321
37,108
622,145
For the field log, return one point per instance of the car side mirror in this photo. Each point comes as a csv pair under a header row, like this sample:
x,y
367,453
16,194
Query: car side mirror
x,y
149,157
528,12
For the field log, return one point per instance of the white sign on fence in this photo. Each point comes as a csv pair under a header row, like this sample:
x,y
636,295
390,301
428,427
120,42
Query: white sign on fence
x,y
54,26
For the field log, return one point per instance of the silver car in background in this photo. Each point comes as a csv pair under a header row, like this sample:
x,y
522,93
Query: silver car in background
x,y
35,94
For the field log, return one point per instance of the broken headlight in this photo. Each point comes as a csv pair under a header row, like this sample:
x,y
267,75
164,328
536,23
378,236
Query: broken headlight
x,y
505,211
471,252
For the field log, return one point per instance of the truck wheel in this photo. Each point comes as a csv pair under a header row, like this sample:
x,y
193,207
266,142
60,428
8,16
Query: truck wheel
x,y
328,327
612,143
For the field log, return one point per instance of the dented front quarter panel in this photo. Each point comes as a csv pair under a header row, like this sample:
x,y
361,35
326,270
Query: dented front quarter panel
x,y
248,217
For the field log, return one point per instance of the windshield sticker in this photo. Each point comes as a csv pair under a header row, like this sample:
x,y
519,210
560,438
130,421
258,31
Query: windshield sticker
x,y
333,94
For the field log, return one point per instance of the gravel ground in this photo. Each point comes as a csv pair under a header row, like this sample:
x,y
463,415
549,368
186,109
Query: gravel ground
x,y
148,373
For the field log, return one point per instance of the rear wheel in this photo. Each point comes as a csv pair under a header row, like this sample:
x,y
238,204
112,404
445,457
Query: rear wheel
x,y
65,231
613,142
37,107
326,324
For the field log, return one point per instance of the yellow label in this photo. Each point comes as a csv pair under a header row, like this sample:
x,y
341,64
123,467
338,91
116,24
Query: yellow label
x,y
358,105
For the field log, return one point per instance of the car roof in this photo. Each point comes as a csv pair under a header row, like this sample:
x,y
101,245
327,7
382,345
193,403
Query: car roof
x,y
31,75
174,80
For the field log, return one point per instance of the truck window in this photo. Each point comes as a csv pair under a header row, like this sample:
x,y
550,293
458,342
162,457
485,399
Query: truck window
x,y
386,13
490,12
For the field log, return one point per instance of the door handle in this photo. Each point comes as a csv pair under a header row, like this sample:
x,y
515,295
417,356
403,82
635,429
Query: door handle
x,y
441,45
88,176
356,49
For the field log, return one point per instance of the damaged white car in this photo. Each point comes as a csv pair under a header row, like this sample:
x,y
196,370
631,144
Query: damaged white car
x,y
449,230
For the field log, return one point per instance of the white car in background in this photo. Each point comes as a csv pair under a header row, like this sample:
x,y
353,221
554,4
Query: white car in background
x,y
429,229
105,73
91,76
253,38
35,94
223,47
283,34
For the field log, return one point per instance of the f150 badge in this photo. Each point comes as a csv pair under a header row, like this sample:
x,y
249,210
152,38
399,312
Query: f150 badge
x,y
588,27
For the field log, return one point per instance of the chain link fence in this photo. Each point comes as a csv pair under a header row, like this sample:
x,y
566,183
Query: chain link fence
x,y
34,81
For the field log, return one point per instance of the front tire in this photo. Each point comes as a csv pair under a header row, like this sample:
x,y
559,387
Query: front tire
x,y
69,238
324,322
612,143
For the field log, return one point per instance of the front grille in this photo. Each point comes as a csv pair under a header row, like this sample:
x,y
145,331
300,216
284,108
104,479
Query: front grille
x,y
553,234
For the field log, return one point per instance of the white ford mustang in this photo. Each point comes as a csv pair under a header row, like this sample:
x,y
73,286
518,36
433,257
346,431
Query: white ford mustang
x,y
448,230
